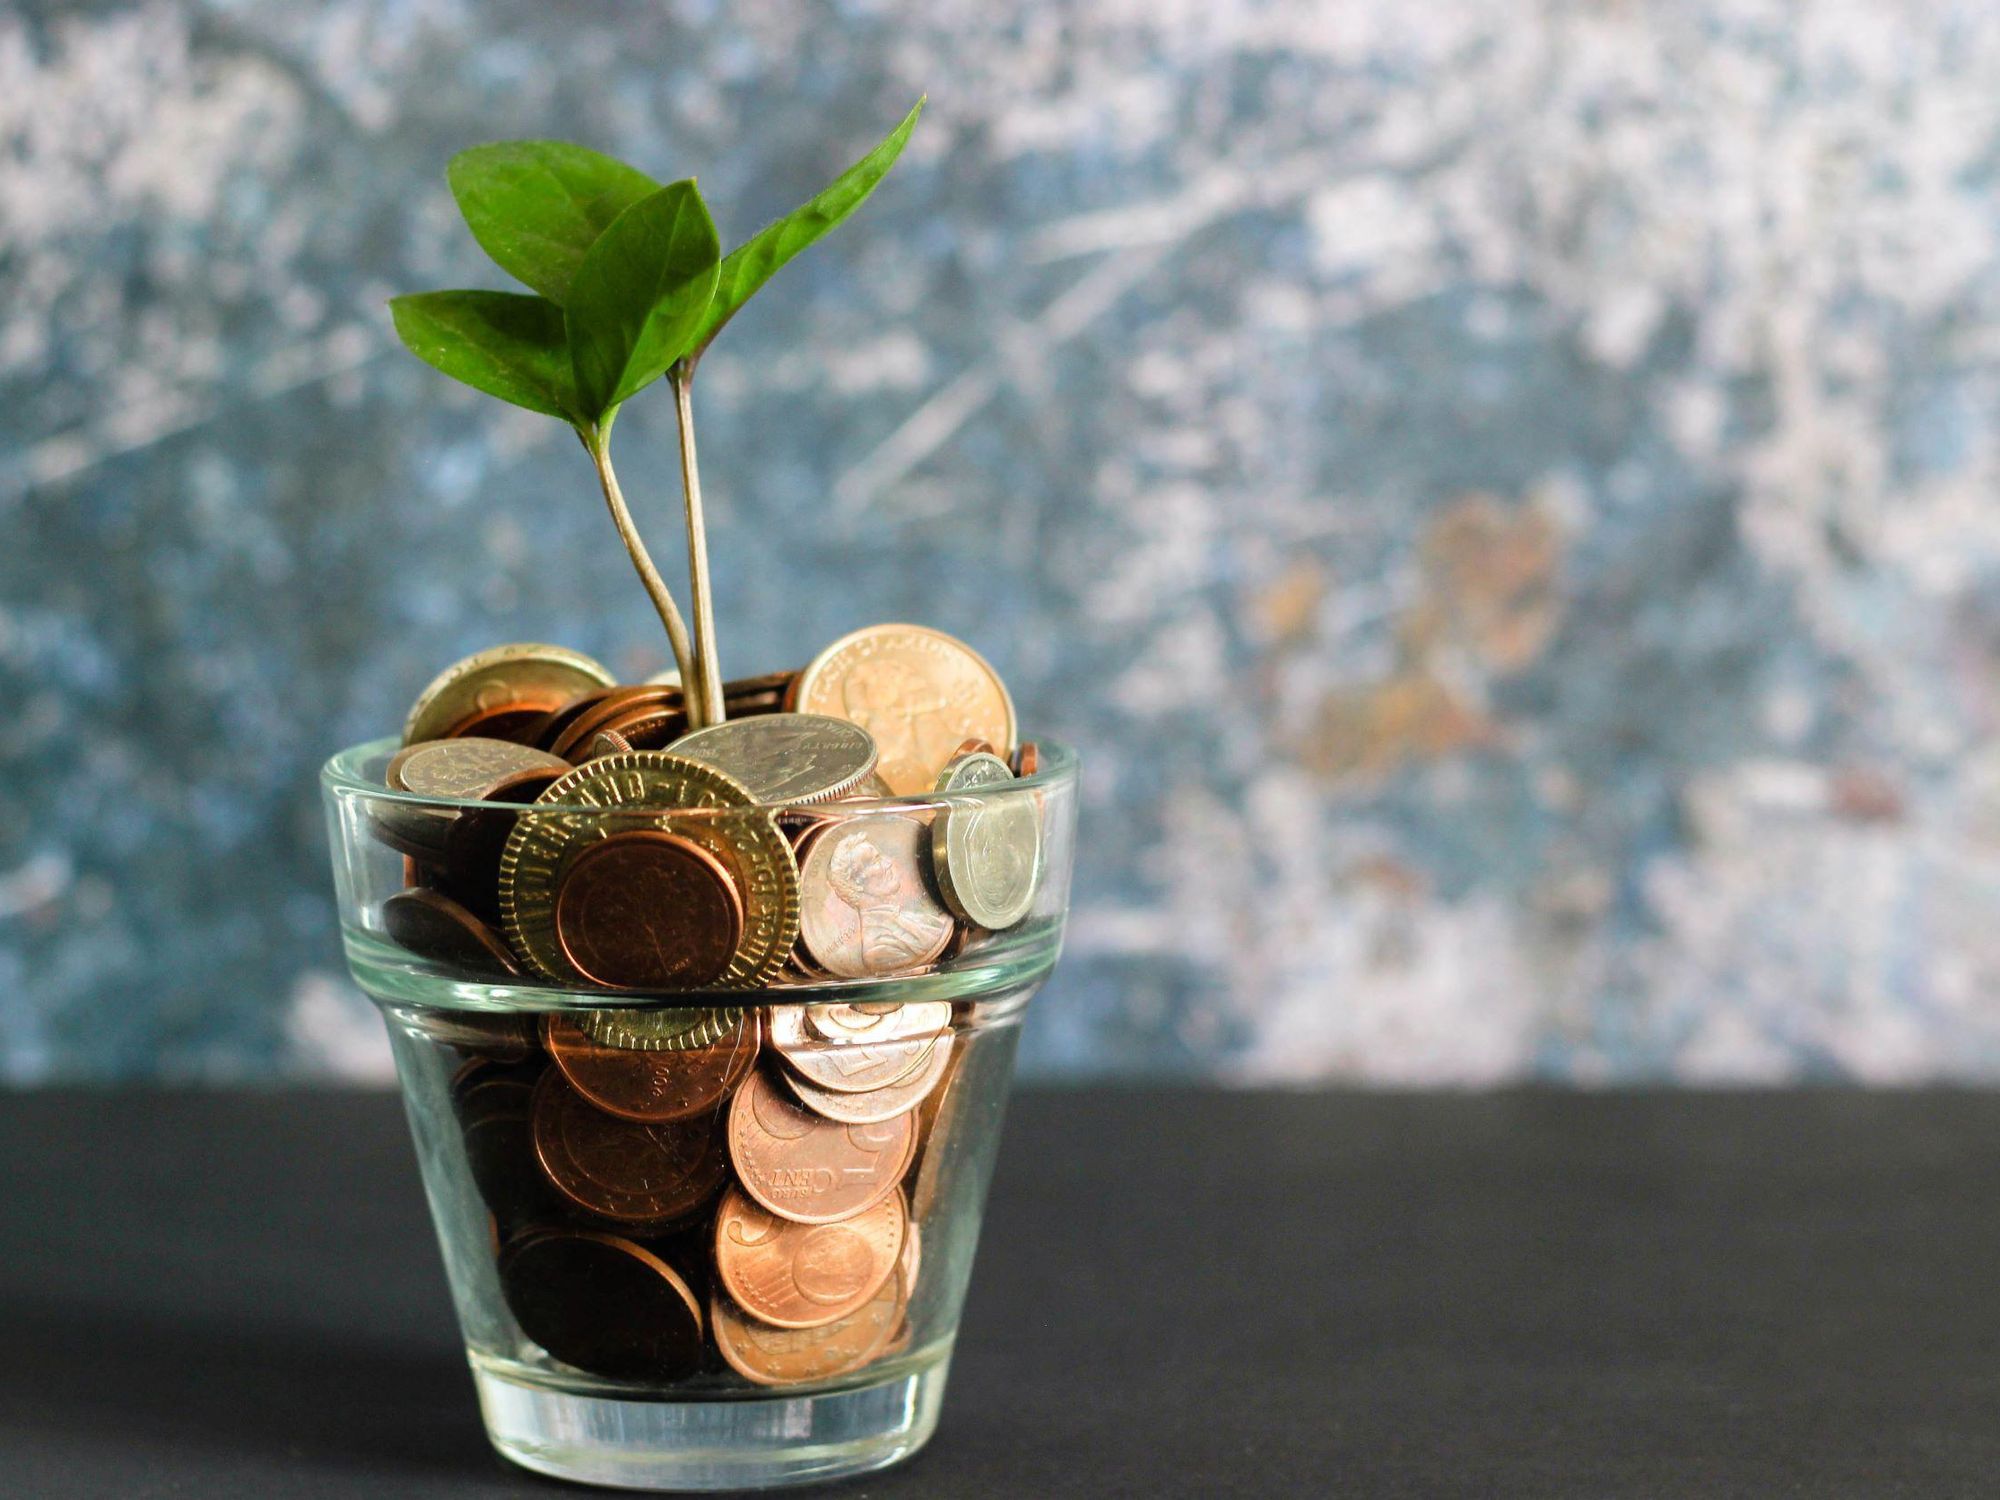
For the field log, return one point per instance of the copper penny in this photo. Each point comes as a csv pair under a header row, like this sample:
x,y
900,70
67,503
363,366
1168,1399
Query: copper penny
x,y
647,910
603,1304
865,907
938,1123
973,746
805,1275
607,710
809,1169
796,1356
1028,759
919,692
432,925
878,1104
652,1086
641,1175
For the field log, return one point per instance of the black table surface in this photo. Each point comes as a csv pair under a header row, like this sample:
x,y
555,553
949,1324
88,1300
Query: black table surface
x,y
1178,1293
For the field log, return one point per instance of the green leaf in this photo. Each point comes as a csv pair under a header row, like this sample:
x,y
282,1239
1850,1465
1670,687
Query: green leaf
x,y
753,263
537,206
503,343
639,295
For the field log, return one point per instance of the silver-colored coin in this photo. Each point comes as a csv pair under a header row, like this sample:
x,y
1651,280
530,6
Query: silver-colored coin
x,y
986,853
467,768
866,910
785,758
874,1105
857,1064
530,674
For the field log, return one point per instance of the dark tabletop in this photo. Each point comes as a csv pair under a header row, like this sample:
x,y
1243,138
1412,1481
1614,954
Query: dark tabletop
x,y
1178,1294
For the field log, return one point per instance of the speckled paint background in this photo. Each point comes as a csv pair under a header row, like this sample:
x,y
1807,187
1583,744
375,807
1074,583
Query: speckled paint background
x,y
1507,498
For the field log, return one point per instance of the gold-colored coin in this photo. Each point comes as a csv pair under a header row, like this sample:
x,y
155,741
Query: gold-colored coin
x,y
681,1029
987,853
643,789
919,692
527,676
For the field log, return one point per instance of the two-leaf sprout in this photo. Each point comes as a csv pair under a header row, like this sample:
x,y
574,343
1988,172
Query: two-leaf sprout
x,y
627,283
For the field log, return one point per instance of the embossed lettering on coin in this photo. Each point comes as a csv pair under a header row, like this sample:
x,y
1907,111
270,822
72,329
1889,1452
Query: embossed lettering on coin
x,y
919,692
805,1275
810,1169
884,1102
849,1057
865,908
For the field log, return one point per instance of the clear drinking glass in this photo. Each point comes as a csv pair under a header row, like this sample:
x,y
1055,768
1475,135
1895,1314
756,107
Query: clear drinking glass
x,y
603,1325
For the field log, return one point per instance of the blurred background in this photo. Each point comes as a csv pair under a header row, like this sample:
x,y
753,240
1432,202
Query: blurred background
x,y
1504,497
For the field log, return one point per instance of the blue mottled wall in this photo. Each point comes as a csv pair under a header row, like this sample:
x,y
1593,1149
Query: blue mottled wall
x,y
1507,497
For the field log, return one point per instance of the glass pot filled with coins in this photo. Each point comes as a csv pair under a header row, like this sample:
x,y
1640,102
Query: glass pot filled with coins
x,y
705,1036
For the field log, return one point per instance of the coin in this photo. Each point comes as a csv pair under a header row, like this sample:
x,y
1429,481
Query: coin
x,y
647,910
652,1086
808,1169
606,742
432,925
620,704
551,726
937,1123
603,1304
883,1103
973,746
785,757
986,853
640,1174
613,795
466,769
796,1356
919,692
478,836
662,1030
1028,759
522,678
849,1057
805,1275
877,1020
865,910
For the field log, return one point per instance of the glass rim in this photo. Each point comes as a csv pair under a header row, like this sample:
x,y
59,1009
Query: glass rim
x,y
342,776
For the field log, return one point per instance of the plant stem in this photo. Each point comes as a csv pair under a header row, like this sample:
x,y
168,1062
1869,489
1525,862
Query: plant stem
x,y
598,442
708,673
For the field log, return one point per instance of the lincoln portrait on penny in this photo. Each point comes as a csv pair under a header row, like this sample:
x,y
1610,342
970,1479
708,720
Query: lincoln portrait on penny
x,y
891,935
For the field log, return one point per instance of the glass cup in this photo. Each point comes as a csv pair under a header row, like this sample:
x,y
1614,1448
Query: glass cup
x,y
714,1238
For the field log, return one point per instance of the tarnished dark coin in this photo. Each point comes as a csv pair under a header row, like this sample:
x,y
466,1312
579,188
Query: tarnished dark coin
x,y
638,1174
432,925
809,1169
620,793
797,1356
986,853
478,836
647,910
885,1101
652,1086
620,704
512,686
785,758
794,1275
866,910
603,1304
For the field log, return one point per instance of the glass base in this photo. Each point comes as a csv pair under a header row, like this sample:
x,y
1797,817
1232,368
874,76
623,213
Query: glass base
x,y
749,1443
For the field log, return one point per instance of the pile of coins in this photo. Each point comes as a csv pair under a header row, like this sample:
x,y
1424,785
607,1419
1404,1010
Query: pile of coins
x,y
688,1192
734,856
712,1189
